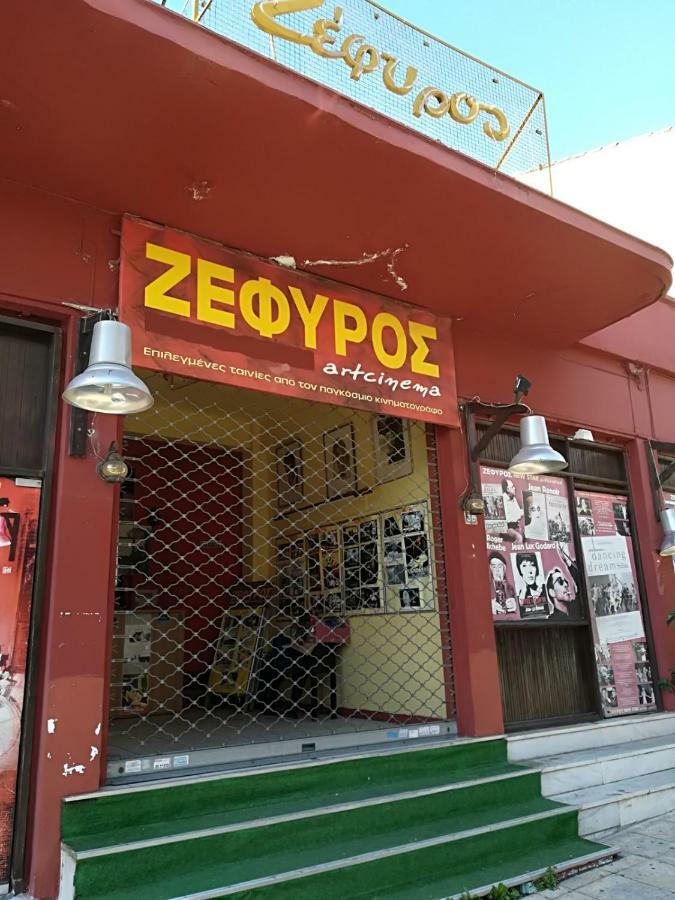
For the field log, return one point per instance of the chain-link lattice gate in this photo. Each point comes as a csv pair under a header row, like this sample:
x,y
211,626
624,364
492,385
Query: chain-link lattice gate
x,y
280,578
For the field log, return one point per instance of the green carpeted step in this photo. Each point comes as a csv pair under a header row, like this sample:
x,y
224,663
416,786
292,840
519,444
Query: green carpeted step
x,y
406,871
109,818
436,872
268,850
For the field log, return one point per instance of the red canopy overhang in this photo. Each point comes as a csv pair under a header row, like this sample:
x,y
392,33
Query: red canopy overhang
x,y
128,107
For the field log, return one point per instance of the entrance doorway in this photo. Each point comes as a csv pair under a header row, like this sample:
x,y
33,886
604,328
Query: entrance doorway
x,y
280,583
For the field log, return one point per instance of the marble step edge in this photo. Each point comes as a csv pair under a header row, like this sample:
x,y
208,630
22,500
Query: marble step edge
x,y
618,722
567,869
616,794
603,754
330,758
349,861
251,824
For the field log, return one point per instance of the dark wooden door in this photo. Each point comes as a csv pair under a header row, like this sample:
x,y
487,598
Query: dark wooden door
x,y
25,397
546,674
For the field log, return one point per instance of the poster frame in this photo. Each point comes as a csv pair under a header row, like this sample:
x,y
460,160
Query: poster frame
x,y
600,486
17,868
583,588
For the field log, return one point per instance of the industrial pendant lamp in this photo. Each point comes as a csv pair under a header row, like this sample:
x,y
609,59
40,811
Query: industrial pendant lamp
x,y
108,385
668,522
536,456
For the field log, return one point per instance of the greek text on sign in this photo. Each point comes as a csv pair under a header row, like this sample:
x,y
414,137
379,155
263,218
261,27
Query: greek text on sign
x,y
200,310
364,59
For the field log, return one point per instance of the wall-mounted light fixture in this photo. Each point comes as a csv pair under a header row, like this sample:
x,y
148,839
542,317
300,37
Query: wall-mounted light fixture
x,y
113,468
535,457
108,385
583,434
659,473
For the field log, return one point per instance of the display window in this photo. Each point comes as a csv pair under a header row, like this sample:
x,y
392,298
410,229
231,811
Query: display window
x,y
277,584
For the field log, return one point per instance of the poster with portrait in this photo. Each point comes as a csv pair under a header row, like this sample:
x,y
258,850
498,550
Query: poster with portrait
x,y
391,443
622,661
531,559
408,570
291,566
361,566
494,515
289,474
19,513
339,461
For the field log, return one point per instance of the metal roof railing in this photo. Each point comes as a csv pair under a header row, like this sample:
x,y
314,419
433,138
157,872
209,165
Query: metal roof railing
x,y
375,58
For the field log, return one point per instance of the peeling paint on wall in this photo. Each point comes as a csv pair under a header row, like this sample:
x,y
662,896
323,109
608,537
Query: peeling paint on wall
x,y
391,252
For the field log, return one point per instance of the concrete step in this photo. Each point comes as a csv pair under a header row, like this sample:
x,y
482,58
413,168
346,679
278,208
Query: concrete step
x,y
581,769
622,803
554,741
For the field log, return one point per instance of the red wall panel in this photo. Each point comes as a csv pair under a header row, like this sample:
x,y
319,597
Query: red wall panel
x,y
194,494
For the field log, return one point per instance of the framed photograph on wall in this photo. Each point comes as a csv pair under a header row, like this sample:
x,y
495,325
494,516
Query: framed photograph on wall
x,y
289,474
340,461
391,443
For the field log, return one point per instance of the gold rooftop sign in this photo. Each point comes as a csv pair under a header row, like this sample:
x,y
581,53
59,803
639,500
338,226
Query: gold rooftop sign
x,y
364,59
361,50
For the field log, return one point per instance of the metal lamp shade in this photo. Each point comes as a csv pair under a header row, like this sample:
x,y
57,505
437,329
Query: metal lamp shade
x,y
668,522
108,385
536,456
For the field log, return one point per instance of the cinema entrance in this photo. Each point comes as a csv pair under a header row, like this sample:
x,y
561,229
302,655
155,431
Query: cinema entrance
x,y
280,585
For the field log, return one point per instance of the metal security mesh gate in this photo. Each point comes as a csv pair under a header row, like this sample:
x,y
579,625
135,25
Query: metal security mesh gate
x,y
280,578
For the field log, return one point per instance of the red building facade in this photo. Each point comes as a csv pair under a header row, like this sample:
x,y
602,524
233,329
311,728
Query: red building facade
x,y
91,133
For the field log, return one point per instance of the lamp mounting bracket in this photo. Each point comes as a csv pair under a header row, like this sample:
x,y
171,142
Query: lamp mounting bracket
x,y
499,413
659,472
521,388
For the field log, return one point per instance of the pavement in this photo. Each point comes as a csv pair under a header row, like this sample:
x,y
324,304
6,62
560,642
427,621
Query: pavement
x,y
644,871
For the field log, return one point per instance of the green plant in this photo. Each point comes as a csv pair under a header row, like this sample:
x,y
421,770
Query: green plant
x,y
548,881
502,892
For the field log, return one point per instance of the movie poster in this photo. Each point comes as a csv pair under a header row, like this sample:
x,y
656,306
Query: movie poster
x,y
622,662
532,563
19,512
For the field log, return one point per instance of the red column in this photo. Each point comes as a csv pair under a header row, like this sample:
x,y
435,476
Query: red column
x,y
72,685
472,634
659,574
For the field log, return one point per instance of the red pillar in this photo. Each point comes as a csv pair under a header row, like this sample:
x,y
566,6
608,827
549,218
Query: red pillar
x,y
659,573
76,617
472,634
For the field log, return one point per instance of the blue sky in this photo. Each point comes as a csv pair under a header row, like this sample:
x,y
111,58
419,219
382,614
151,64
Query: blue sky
x,y
606,67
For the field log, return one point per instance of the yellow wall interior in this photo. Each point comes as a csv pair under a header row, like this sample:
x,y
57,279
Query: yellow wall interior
x,y
393,662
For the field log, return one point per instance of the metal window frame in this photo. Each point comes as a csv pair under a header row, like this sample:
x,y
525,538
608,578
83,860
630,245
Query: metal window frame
x,y
17,868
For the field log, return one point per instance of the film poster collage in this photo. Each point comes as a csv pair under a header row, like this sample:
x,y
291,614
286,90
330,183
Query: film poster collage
x,y
382,563
534,574
533,568
622,662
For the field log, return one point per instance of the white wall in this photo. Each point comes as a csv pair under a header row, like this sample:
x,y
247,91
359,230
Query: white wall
x,y
630,185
